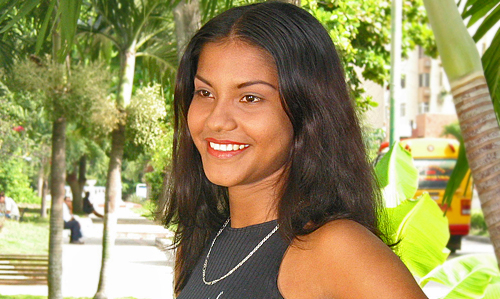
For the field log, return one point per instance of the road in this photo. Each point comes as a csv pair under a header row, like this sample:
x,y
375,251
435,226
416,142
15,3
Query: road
x,y
470,245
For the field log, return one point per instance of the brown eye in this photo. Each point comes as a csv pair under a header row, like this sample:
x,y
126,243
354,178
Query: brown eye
x,y
251,99
204,93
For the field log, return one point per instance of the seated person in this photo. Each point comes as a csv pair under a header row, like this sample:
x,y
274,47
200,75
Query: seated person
x,y
88,207
8,207
71,223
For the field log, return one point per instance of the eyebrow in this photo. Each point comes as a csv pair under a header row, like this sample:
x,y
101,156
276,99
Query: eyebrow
x,y
242,85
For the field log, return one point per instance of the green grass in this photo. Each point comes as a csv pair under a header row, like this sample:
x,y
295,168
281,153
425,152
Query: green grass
x,y
147,209
28,237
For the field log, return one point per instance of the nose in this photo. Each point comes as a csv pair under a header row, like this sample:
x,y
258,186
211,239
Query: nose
x,y
222,116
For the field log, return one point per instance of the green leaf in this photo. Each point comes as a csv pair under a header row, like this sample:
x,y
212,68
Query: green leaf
x,y
423,233
478,10
468,276
27,7
456,61
493,289
461,167
397,176
490,61
45,24
490,21
69,13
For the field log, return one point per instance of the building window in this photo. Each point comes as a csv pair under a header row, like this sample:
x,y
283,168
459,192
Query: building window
x,y
424,80
403,81
423,108
403,109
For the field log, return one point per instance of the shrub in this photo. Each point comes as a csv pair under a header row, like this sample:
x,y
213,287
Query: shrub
x,y
478,224
15,182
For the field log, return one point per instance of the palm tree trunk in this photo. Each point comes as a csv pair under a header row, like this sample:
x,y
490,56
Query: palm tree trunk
x,y
474,107
113,184
57,190
481,135
113,194
58,173
187,20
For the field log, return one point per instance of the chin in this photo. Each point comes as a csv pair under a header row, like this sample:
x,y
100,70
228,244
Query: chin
x,y
217,180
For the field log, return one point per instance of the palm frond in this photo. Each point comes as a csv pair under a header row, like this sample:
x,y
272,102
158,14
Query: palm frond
x,y
461,167
489,12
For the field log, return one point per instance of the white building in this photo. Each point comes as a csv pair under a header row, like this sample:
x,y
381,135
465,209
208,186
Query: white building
x,y
425,103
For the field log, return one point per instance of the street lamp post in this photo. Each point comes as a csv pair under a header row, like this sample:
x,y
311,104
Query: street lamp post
x,y
395,84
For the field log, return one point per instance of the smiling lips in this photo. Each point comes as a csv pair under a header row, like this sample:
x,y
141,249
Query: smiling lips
x,y
227,147
225,150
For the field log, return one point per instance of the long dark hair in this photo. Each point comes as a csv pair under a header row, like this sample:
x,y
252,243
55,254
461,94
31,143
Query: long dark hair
x,y
328,174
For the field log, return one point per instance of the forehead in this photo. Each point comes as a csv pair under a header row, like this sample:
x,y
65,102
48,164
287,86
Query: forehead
x,y
235,55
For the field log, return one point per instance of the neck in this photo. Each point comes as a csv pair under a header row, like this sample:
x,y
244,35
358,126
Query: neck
x,y
250,206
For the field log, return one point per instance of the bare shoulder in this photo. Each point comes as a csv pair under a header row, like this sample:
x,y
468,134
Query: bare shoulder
x,y
343,259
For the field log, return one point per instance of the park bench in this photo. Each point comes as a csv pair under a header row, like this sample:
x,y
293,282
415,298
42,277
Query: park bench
x,y
23,269
29,209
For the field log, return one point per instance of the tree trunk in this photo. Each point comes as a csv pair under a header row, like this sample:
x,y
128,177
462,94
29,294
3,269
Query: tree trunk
x,y
82,179
43,212
58,173
113,184
481,135
42,188
187,20
76,181
41,178
113,194
72,181
476,115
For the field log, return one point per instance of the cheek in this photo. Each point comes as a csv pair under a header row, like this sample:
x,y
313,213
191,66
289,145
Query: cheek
x,y
194,121
285,128
280,135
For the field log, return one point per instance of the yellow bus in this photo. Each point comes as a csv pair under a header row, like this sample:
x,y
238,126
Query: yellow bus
x,y
435,159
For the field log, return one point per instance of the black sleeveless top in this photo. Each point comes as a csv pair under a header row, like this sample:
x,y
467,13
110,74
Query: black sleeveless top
x,y
257,278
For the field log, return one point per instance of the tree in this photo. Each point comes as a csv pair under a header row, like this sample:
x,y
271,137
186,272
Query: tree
x,y
361,33
489,11
18,32
187,21
33,118
473,104
86,87
62,18
134,28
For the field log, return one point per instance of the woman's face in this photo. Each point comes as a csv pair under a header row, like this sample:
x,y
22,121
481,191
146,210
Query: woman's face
x,y
236,118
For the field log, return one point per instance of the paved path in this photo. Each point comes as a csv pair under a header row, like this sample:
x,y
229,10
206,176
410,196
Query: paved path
x,y
139,268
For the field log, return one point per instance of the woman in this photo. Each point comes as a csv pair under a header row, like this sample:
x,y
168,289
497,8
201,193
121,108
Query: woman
x,y
271,190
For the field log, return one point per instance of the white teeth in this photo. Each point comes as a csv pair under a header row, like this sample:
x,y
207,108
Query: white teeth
x,y
215,146
227,147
